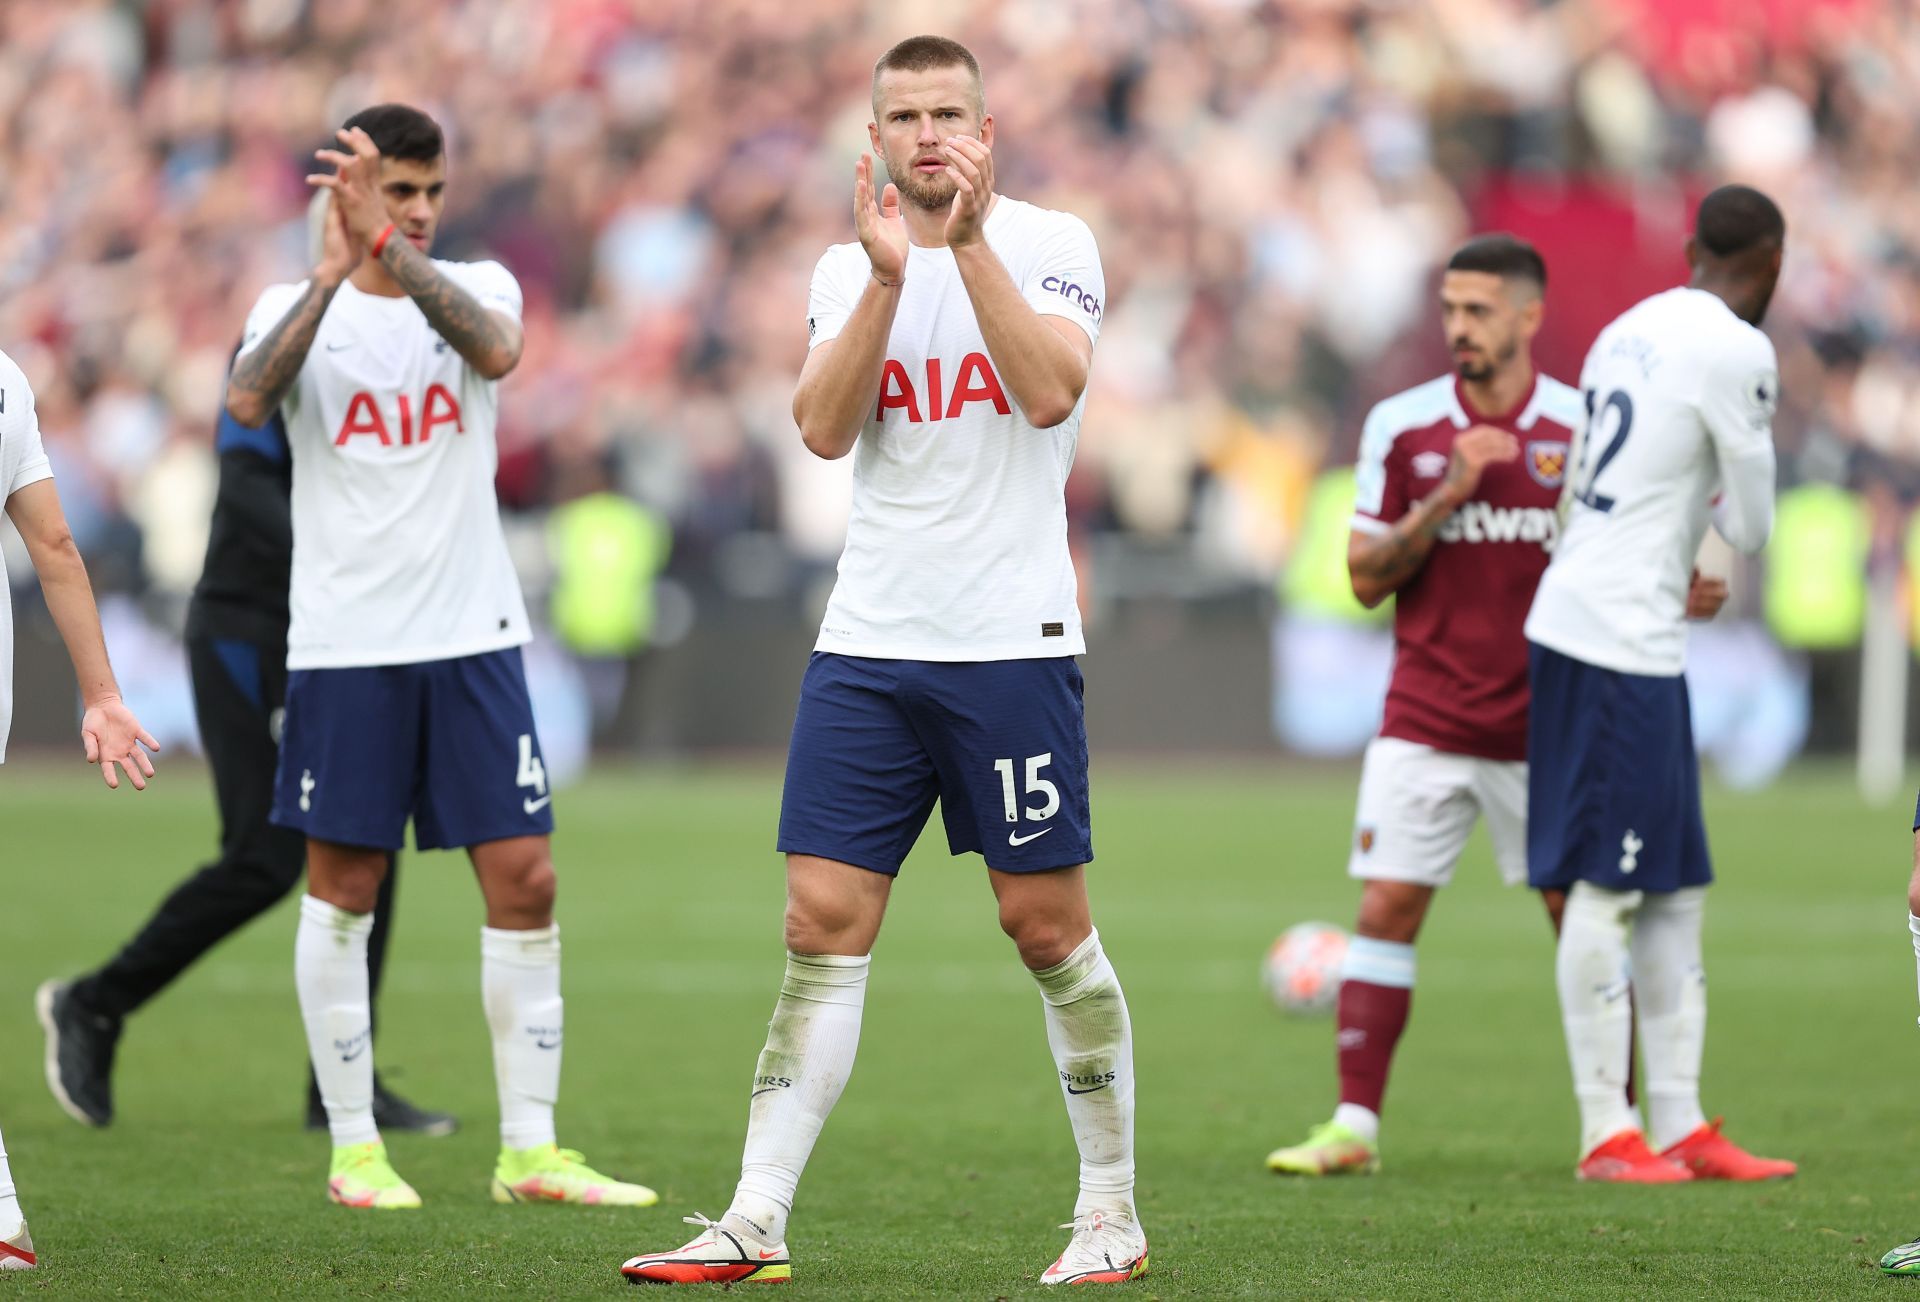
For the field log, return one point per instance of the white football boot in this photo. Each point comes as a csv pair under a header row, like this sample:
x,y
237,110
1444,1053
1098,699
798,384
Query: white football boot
x,y
16,1249
1104,1249
722,1254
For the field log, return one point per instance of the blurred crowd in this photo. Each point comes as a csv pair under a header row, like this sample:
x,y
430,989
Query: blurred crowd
x,y
1273,183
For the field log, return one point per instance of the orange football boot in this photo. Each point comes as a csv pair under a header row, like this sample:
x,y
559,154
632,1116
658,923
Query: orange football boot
x,y
1626,1159
1710,1155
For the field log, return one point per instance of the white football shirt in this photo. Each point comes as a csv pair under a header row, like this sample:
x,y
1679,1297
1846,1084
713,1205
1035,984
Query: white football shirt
x,y
957,541
398,554
1680,395
22,462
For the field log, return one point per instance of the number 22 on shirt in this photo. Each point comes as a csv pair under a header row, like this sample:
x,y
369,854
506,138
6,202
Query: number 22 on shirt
x,y
1610,419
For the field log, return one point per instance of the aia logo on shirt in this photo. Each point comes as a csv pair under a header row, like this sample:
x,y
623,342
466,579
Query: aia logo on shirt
x,y
973,381
438,407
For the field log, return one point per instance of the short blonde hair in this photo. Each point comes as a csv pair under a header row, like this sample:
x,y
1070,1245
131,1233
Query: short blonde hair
x,y
925,53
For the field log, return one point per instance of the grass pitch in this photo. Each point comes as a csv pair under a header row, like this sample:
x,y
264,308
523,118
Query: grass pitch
x,y
950,1161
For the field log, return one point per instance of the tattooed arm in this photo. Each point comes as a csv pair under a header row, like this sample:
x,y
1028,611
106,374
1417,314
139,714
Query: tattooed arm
x,y
490,341
263,376
1380,563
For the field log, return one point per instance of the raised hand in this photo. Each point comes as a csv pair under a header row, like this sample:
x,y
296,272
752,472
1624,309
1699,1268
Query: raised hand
x,y
112,736
883,234
355,184
1705,596
970,164
340,253
1473,452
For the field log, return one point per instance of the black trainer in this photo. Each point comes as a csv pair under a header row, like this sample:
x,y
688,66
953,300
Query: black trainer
x,y
390,1112
80,1048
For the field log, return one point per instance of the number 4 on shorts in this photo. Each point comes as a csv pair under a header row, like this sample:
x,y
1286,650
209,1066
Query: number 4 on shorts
x,y
1036,786
532,772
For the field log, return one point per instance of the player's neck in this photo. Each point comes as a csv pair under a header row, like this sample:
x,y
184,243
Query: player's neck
x,y
372,277
1733,293
1501,394
927,227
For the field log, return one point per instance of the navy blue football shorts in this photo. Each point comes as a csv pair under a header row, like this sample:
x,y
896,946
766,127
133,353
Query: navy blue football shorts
x,y
448,743
1001,744
1613,784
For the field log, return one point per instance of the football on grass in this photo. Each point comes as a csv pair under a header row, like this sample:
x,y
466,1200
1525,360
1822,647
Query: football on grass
x,y
1303,967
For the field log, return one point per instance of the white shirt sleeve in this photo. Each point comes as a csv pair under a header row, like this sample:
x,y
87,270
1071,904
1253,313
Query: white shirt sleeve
x,y
1380,496
491,284
23,460
1740,392
1065,278
275,301
828,304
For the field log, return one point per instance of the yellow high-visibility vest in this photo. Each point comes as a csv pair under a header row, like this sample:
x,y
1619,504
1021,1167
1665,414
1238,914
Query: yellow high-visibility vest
x,y
607,550
1816,579
1315,581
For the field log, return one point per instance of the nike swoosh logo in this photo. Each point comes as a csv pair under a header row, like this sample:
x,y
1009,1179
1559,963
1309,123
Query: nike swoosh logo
x,y
768,1090
1016,839
535,806
334,348
546,1044
1096,1089
349,1057
765,1255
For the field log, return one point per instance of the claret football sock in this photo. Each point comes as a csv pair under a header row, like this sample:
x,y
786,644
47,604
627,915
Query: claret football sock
x,y
520,988
1092,1041
330,973
1376,994
1591,971
1670,992
809,1054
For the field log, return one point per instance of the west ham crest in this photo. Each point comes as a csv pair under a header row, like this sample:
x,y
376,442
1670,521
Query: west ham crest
x,y
1547,463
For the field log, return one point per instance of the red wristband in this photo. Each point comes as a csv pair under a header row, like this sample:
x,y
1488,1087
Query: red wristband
x,y
380,241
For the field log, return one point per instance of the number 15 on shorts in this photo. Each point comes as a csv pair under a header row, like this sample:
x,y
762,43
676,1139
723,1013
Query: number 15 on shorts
x,y
1037,787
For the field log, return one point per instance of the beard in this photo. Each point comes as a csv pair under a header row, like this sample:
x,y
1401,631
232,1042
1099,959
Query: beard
x,y
1482,366
928,193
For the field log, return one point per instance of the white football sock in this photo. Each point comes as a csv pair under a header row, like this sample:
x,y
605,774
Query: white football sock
x,y
1364,1122
1591,971
520,989
1913,926
811,1043
330,974
10,1213
1092,1041
1670,992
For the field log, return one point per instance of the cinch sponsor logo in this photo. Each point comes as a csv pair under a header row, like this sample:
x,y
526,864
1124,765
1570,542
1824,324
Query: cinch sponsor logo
x,y
974,381
1075,295
438,407
1480,522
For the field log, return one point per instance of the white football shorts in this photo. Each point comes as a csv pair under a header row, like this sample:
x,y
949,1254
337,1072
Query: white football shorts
x,y
1418,806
